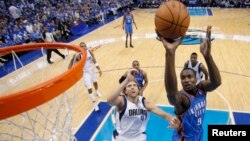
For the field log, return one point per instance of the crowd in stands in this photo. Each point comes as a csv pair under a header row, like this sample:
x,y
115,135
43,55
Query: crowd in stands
x,y
219,3
23,21
200,3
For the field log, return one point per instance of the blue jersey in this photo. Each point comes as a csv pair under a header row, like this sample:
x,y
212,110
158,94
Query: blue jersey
x,y
139,78
128,23
192,119
128,19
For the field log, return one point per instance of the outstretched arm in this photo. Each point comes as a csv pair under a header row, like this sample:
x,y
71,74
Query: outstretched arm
x,y
173,121
214,75
96,64
174,97
114,98
204,70
74,60
170,74
95,48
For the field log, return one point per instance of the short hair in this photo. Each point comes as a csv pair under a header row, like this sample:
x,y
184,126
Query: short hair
x,y
188,69
135,61
82,43
194,53
122,79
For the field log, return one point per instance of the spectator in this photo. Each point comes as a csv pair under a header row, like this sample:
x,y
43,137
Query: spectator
x,y
36,35
247,3
2,39
29,27
48,37
14,12
66,34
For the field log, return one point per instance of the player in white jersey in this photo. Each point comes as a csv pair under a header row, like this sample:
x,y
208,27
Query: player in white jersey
x,y
197,66
89,76
132,111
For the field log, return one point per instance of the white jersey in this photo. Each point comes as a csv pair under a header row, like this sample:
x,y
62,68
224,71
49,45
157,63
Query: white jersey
x,y
49,37
89,76
89,64
198,73
131,123
14,12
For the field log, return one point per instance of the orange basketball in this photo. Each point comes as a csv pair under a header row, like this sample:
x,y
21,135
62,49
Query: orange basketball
x,y
172,19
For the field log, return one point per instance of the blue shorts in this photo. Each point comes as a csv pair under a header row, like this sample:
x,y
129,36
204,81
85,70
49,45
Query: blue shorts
x,y
128,28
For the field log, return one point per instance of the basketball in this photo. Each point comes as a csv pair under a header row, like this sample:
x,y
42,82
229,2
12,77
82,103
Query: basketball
x,y
172,19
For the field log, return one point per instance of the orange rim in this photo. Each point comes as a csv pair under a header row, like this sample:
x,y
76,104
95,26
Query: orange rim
x,y
25,100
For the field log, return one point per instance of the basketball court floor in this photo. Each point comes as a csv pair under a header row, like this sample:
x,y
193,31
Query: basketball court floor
x,y
229,104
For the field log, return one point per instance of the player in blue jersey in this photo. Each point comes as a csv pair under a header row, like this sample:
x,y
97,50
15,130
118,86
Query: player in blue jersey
x,y
127,25
132,111
190,103
140,77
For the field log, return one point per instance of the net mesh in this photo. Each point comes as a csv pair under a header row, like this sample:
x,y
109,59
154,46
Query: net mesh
x,y
51,121
48,122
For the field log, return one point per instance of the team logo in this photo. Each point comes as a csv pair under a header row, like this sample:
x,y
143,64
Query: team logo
x,y
193,37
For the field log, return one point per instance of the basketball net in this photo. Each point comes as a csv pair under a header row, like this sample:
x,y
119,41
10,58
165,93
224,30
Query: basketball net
x,y
50,119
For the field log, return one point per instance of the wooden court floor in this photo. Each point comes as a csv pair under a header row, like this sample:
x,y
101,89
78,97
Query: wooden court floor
x,y
230,50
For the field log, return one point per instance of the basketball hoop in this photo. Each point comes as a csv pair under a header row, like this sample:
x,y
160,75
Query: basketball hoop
x,y
22,114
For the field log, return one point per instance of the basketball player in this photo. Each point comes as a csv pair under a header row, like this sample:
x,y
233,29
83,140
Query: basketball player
x,y
132,111
48,37
190,102
140,77
89,77
197,66
128,20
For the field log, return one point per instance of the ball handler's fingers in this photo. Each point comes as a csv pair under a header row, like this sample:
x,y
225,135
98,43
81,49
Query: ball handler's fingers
x,y
133,71
209,28
158,36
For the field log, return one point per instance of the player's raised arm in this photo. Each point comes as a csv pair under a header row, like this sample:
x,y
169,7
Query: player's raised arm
x,y
214,75
170,73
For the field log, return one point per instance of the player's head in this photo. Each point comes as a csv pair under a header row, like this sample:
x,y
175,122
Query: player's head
x,y
188,79
136,64
128,9
45,28
131,89
83,45
193,57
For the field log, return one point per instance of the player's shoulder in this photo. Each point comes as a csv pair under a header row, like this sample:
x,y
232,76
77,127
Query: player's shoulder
x,y
143,72
200,64
186,64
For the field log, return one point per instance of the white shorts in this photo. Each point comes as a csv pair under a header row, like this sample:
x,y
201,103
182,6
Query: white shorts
x,y
89,77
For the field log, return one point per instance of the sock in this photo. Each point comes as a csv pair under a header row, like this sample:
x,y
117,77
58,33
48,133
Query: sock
x,y
92,97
